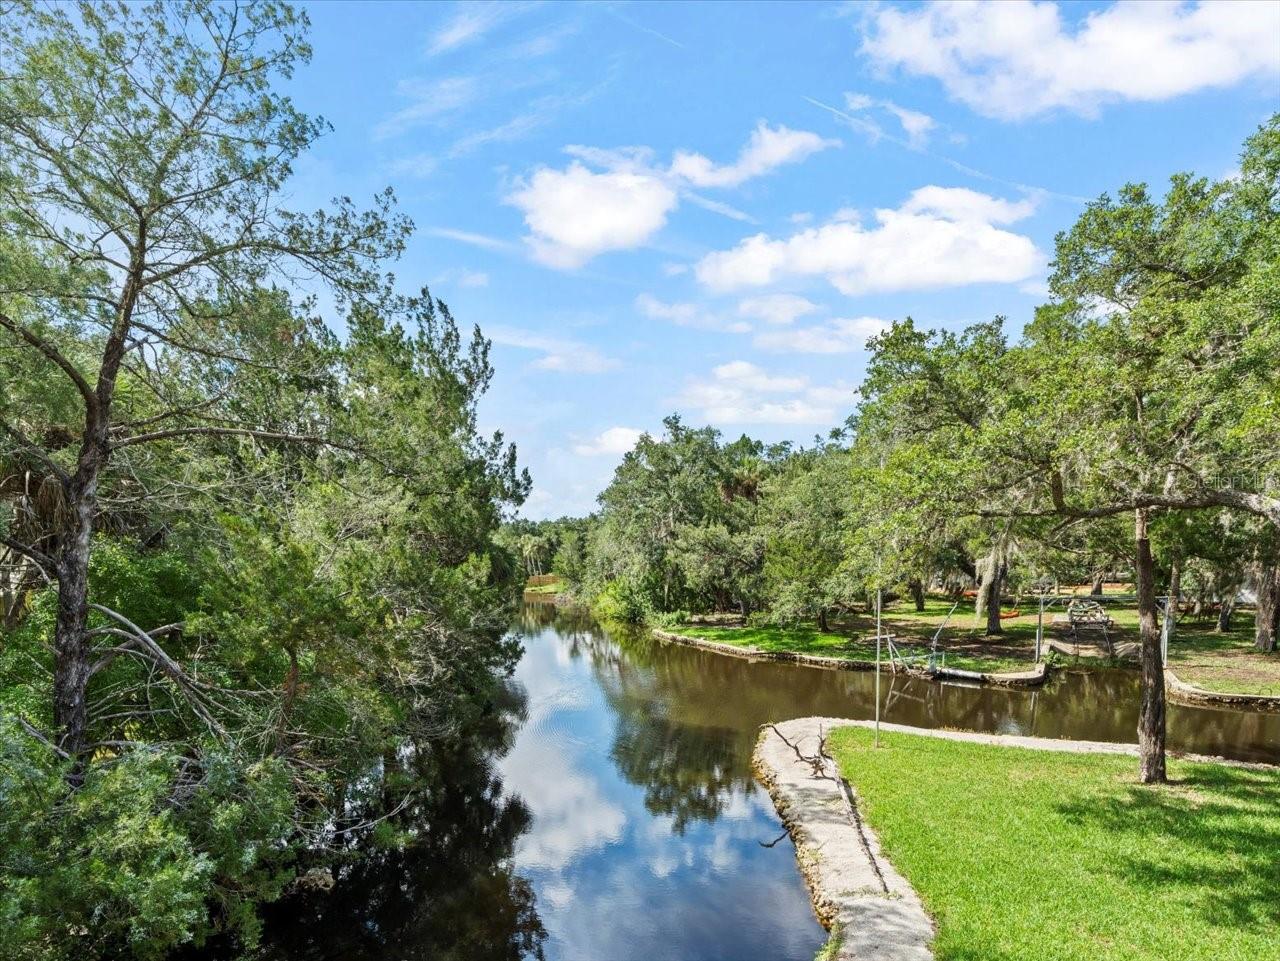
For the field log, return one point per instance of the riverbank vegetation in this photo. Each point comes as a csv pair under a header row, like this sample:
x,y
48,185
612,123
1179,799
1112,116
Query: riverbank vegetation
x,y
252,601
1022,853
1130,433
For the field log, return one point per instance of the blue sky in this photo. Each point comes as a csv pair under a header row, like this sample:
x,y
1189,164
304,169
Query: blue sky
x,y
707,208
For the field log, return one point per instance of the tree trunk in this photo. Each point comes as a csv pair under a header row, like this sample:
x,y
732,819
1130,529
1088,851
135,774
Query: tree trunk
x,y
1266,616
1225,611
286,706
1098,580
70,637
822,620
71,629
991,590
917,593
1151,716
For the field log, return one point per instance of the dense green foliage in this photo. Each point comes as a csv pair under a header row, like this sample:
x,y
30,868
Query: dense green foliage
x,y
1149,383
249,578
1119,871
1131,429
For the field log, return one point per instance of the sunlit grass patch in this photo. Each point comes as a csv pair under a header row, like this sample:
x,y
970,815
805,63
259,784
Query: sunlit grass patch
x,y
804,639
1054,856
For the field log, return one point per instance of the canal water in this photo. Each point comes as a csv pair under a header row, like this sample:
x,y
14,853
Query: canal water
x,y
615,817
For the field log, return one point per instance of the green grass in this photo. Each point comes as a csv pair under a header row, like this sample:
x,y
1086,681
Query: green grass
x,y
1044,855
809,640
1224,662
1219,662
554,587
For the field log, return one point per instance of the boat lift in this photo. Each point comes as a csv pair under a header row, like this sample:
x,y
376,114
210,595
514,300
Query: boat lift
x,y
931,660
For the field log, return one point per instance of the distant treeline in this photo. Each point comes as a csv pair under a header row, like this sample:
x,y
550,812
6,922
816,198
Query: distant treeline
x,y
1134,424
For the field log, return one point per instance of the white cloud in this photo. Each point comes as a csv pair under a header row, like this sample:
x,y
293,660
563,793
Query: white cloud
x,y
940,237
1016,59
776,308
532,116
739,392
462,277
843,335
768,149
470,23
614,442
916,125
688,315
578,213
430,101
483,241
559,354
575,214
415,165
718,207
964,205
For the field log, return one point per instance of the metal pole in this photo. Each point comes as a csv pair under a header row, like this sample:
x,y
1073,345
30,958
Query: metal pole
x,y
1040,629
877,667
1165,629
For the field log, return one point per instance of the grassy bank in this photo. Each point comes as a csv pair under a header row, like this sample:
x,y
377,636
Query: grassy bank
x,y
810,640
1064,857
543,586
1219,662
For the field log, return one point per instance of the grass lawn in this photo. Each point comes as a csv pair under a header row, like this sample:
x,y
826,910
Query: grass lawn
x,y
1224,662
1219,662
809,640
1022,854
552,587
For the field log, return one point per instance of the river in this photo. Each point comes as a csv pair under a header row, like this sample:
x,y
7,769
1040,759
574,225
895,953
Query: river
x,y
617,819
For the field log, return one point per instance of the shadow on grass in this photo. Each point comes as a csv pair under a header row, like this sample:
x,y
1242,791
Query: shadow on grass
x,y
1209,841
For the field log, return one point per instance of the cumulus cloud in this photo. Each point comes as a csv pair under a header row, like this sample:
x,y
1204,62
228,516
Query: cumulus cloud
x,y
560,354
575,214
768,149
688,315
740,392
1016,58
842,335
776,308
617,199
614,441
964,205
940,237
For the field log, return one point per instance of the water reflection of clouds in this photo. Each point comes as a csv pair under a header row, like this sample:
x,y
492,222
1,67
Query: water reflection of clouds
x,y
571,815
616,876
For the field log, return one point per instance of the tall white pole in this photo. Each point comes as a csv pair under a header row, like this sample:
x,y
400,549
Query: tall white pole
x,y
878,591
1040,629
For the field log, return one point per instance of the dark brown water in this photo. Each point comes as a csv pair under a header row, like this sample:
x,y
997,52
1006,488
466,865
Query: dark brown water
x,y
616,819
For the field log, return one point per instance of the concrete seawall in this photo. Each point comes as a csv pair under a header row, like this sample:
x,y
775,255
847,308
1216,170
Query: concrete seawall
x,y
1032,678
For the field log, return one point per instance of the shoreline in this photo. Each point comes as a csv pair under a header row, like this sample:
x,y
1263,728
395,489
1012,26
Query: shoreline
x,y
870,910
1016,679
1182,692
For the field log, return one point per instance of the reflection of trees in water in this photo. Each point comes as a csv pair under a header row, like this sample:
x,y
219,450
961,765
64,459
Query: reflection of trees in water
x,y
687,770
535,616
688,773
450,893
